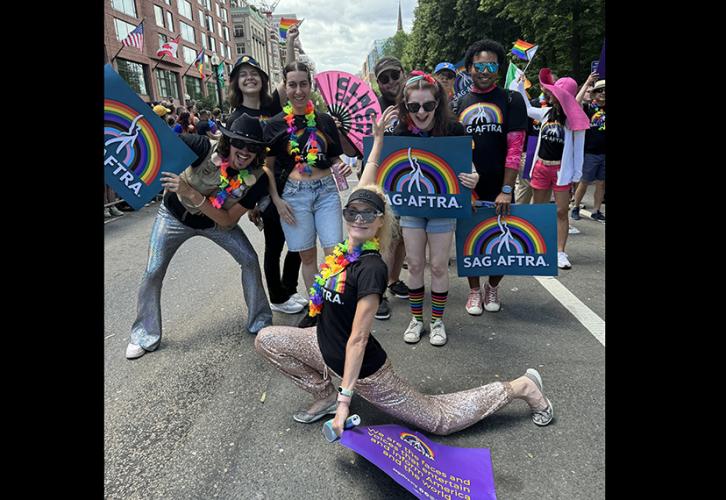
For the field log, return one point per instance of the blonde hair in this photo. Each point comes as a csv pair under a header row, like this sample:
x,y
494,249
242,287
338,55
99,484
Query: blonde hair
x,y
385,232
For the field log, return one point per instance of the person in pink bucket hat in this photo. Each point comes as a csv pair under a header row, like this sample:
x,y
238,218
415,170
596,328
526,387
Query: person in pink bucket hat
x,y
560,149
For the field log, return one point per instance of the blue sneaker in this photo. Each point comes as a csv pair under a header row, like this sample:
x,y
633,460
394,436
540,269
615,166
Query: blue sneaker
x,y
598,216
575,214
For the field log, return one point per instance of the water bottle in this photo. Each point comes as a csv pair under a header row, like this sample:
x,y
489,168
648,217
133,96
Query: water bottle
x,y
329,433
340,181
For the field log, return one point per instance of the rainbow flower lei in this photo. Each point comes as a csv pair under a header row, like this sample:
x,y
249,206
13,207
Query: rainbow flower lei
x,y
312,144
334,264
229,186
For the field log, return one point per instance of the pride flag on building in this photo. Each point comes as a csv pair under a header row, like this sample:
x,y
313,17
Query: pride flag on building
x,y
524,50
286,24
199,63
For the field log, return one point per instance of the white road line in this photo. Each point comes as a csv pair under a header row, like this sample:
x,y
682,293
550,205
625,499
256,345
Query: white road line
x,y
579,310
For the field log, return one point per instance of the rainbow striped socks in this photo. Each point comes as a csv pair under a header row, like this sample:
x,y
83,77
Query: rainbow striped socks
x,y
415,301
438,304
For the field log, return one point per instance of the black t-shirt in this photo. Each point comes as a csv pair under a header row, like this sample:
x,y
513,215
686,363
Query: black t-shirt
x,y
533,125
204,126
488,118
276,134
595,135
368,275
452,128
264,113
201,221
552,142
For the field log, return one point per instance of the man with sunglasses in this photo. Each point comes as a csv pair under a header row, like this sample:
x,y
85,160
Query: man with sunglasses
x,y
389,75
497,121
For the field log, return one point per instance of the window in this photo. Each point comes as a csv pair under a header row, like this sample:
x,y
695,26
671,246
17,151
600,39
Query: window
x,y
207,4
224,14
226,33
187,32
217,7
201,17
240,50
212,91
159,15
125,6
133,73
193,87
168,2
189,54
229,52
167,84
239,31
209,23
163,39
219,29
204,41
122,28
169,21
213,44
185,8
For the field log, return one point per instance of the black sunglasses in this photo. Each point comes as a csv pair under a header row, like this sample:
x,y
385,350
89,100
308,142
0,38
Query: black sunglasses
x,y
366,216
413,107
384,77
251,146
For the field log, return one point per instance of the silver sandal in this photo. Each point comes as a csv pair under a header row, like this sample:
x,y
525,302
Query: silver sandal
x,y
540,417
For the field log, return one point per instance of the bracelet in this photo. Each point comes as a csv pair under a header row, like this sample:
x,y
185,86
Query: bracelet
x,y
343,399
204,198
345,392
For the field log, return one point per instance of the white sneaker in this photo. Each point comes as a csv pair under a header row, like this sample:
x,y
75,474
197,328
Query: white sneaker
x,y
438,333
299,299
573,230
288,307
134,351
562,261
414,331
473,303
115,211
491,298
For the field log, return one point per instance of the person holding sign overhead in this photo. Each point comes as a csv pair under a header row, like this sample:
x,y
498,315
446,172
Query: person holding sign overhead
x,y
347,293
423,111
207,200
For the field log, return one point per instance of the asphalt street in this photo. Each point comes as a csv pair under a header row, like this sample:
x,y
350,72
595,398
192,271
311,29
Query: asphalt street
x,y
205,417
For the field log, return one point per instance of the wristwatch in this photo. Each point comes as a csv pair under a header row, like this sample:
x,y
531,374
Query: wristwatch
x,y
506,189
345,392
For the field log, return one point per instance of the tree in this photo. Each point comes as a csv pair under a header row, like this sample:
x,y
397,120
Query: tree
x,y
395,45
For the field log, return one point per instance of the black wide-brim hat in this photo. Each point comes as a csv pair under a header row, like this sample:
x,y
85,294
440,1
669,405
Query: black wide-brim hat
x,y
245,128
246,59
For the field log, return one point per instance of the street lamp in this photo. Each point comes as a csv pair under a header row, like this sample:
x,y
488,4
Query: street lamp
x,y
215,64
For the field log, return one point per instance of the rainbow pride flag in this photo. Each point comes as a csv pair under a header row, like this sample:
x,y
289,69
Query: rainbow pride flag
x,y
286,24
199,63
524,50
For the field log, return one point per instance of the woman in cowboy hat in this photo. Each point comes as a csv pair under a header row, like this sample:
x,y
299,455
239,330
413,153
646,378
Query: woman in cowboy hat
x,y
207,200
560,146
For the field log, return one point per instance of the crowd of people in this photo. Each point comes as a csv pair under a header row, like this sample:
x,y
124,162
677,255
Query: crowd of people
x,y
275,156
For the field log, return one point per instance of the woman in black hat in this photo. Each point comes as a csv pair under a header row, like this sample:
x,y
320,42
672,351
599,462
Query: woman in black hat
x,y
207,200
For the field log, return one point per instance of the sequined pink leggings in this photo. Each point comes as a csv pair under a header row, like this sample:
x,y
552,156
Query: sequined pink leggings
x,y
295,352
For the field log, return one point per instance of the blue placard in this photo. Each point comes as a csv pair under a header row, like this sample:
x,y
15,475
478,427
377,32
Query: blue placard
x,y
138,145
420,174
521,243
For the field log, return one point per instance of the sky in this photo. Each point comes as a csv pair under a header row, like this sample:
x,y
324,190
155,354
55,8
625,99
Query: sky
x,y
338,35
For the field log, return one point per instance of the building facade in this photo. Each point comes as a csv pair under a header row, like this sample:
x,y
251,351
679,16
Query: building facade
x,y
252,35
370,63
199,24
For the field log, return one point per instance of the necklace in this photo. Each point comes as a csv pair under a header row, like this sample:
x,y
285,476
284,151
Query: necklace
x,y
334,264
229,186
312,143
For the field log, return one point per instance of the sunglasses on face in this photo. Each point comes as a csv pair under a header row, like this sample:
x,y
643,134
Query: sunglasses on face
x,y
366,216
491,67
251,146
392,75
413,107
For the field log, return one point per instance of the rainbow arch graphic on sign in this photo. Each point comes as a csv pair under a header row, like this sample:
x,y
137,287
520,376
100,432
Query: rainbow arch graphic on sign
x,y
143,158
438,177
485,236
409,438
482,111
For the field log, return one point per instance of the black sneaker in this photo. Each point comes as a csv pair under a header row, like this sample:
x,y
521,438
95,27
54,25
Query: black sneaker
x,y
384,310
598,216
575,215
399,289
307,321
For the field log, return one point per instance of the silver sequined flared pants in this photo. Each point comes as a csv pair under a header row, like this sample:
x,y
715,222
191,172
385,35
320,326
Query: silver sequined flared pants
x,y
295,352
167,235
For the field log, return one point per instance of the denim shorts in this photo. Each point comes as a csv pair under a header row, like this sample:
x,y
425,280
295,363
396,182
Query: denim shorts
x,y
317,211
431,225
593,168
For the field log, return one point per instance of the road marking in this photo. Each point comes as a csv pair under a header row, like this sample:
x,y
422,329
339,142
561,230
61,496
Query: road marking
x,y
585,315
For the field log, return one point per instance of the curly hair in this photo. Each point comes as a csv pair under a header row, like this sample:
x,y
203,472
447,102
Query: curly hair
x,y
223,149
484,45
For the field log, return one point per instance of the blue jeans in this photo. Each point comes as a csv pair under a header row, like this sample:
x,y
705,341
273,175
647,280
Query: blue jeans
x,y
431,225
317,211
167,235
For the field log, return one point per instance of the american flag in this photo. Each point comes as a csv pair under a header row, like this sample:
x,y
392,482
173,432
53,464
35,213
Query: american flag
x,y
135,38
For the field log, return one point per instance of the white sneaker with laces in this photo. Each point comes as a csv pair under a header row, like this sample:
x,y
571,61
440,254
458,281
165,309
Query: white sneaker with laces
x,y
473,303
134,351
491,298
562,261
438,333
414,331
288,307
299,299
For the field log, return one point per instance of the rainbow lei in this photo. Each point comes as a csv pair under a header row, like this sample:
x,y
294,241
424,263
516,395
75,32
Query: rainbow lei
x,y
334,264
228,186
312,144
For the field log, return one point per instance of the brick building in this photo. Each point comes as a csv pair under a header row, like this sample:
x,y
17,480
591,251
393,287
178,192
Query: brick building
x,y
202,24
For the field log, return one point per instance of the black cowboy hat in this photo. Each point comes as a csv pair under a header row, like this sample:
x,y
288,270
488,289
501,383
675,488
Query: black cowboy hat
x,y
246,59
246,128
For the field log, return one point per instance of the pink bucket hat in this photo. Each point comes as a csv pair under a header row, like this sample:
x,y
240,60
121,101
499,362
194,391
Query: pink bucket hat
x,y
565,90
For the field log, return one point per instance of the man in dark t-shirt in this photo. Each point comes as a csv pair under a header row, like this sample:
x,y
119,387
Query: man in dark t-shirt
x,y
497,121
207,127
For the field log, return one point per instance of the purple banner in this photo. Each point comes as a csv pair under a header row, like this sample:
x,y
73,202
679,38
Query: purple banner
x,y
426,469
601,64
529,159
